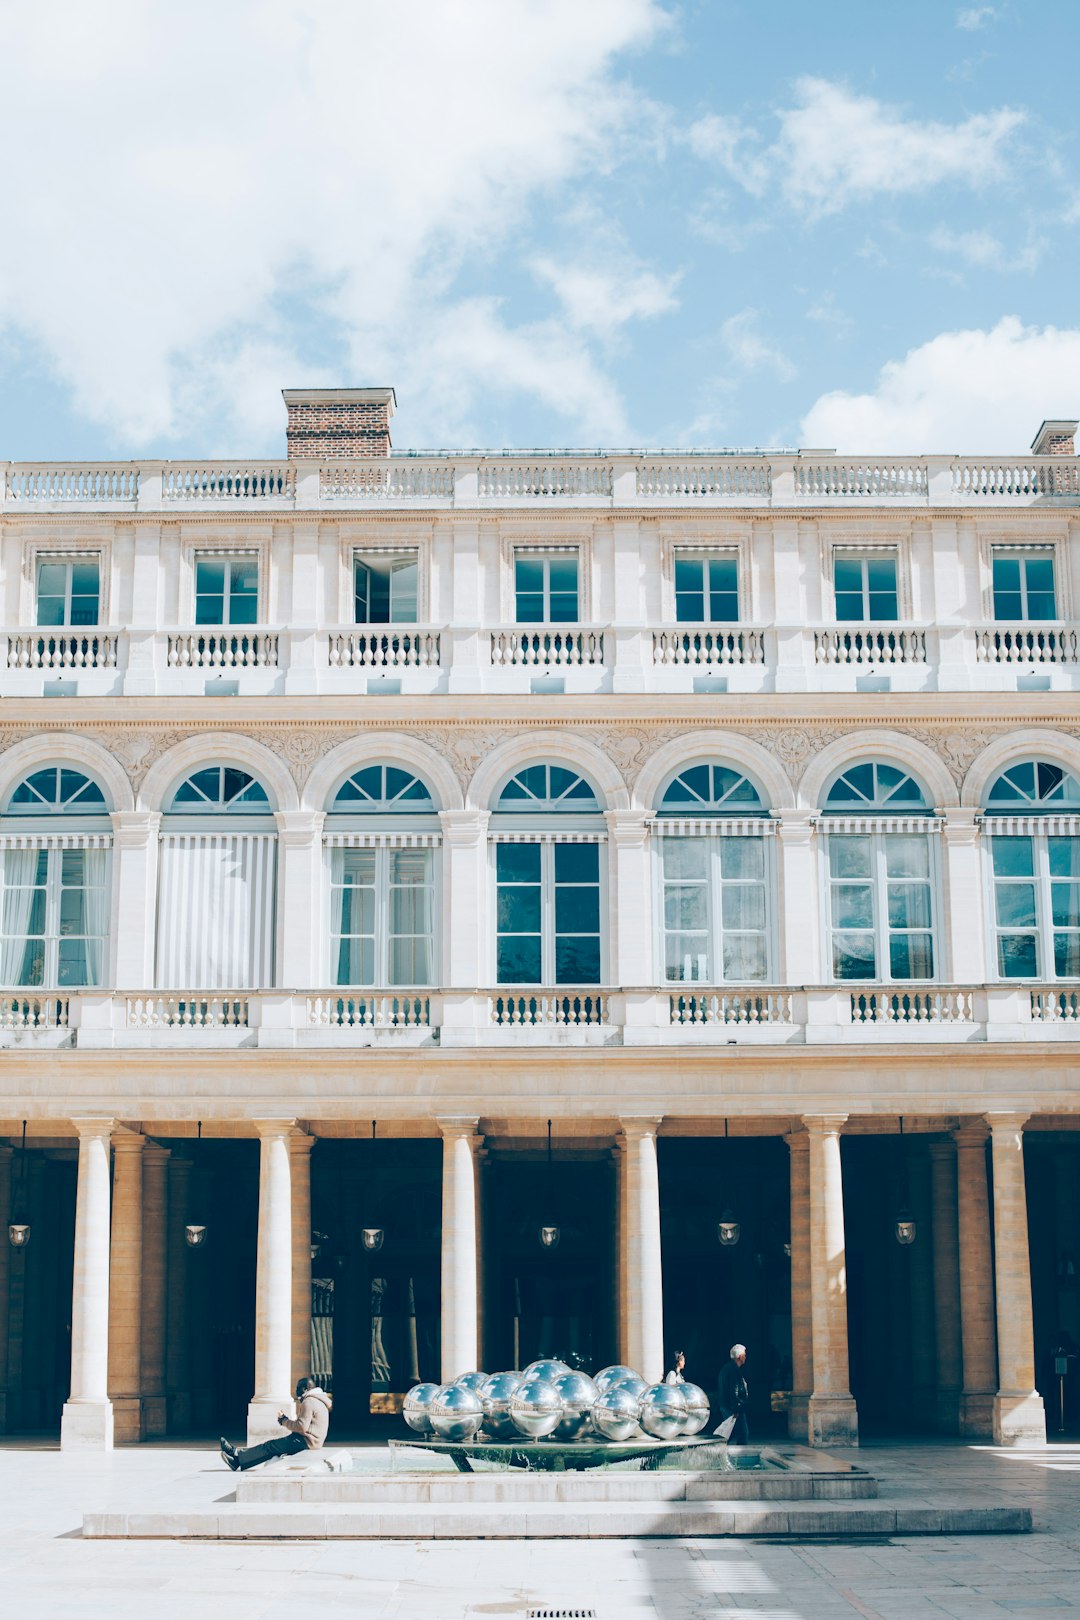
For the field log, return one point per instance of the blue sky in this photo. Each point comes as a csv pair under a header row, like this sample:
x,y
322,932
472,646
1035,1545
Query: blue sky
x,y
546,222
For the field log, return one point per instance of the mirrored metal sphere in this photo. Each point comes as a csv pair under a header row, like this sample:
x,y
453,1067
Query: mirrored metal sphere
x,y
662,1411
416,1408
697,1408
633,1382
578,1393
456,1413
471,1380
536,1408
615,1415
611,1375
546,1369
495,1399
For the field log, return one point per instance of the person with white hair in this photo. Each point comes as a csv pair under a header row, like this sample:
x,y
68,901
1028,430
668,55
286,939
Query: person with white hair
x,y
734,1399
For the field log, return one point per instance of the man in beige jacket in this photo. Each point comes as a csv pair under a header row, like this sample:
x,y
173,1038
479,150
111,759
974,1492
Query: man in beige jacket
x,y
307,1430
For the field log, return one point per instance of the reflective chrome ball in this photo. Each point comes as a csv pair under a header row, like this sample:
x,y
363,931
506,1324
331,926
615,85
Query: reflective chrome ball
x,y
495,1399
577,1393
416,1408
615,1415
536,1408
662,1411
697,1408
471,1380
547,1370
611,1375
633,1382
456,1413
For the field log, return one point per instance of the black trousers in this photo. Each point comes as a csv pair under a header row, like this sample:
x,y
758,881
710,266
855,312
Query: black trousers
x,y
287,1446
740,1434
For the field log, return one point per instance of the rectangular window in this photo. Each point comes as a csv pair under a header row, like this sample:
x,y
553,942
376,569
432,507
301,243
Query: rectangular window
x,y
706,590
1024,585
546,587
68,591
385,588
1036,906
54,909
383,916
714,910
880,904
226,590
547,913
864,587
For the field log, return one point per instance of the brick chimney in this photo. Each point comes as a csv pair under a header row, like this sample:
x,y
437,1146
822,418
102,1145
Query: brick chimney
x,y
344,422
1055,439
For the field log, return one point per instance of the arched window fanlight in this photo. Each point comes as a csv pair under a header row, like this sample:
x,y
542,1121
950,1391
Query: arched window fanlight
x,y
712,790
1034,785
56,791
218,790
548,788
383,789
872,786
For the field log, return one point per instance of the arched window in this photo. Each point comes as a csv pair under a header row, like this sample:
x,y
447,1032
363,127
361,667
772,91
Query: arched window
x,y
1035,867
216,884
383,883
548,875
54,891
715,880
881,876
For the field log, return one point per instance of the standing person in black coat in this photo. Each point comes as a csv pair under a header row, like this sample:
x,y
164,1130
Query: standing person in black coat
x,y
734,1398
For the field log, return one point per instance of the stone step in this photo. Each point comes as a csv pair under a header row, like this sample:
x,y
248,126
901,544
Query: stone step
x,y
312,1521
592,1486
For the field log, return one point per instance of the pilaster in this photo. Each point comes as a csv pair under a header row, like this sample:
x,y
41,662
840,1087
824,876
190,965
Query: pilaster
x,y
833,1419
87,1420
1019,1419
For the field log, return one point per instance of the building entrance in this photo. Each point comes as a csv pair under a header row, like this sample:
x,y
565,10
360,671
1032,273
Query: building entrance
x,y
1052,1175
548,1301
38,1300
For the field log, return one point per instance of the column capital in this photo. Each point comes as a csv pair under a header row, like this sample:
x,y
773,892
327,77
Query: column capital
x,y
972,1134
300,1142
1007,1122
824,1124
798,1141
796,826
135,829
127,1141
93,1126
154,1153
628,827
634,1127
463,828
960,824
453,1126
270,1129
299,829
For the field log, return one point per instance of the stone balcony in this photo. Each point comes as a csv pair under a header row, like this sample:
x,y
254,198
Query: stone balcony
x,y
567,1016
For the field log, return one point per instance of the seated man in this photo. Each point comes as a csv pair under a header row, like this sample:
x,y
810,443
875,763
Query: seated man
x,y
307,1430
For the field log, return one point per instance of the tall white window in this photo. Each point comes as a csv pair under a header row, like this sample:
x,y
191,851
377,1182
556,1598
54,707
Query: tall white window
x,y
1024,585
385,588
54,886
548,880
864,586
383,880
68,591
880,876
216,884
706,589
546,587
226,590
715,878
1032,819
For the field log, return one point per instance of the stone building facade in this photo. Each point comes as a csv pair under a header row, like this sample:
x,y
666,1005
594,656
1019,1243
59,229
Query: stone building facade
x,y
405,854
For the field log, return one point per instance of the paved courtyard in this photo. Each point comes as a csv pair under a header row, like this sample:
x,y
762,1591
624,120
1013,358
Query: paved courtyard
x,y
47,1571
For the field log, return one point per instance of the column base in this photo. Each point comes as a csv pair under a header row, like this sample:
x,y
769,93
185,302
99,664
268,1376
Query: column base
x,y
833,1420
86,1426
155,1421
262,1422
798,1417
947,1411
127,1419
977,1416
1019,1420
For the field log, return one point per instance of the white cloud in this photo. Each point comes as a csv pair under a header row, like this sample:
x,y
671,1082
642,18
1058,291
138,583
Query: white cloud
x,y
984,251
752,352
972,18
734,147
196,190
961,392
597,298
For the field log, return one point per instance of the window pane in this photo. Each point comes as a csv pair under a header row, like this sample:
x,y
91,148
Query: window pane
x,y
686,906
744,958
686,958
853,905
849,857
529,574
577,909
689,590
362,593
907,857
564,607
562,572
52,578
1013,857
355,962
909,905
743,857
71,966
723,590
577,863
518,960
518,863
848,573
1007,574
1064,857
577,960
1017,957
1015,905
410,961
244,591
530,608
403,592
849,606
1067,956
743,905
853,956
518,908
1065,905
911,956
685,857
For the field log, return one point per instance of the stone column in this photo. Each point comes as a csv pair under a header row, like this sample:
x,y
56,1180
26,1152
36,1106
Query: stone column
x,y
460,1260
977,1337
155,1207
300,1169
642,1270
126,1286
802,1336
88,1416
833,1419
946,1285
1019,1419
5,1278
273,1282
177,1348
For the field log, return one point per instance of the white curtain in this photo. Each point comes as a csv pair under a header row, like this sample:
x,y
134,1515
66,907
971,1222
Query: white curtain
x,y
96,919
17,870
216,911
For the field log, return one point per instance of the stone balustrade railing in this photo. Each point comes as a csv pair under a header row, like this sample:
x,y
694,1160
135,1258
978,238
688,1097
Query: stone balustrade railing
x,y
63,649
668,1015
869,644
618,479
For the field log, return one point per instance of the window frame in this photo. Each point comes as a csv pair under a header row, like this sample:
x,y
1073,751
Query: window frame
x,y
68,561
535,554
51,935
390,557
879,881
1023,555
548,936
383,850
1042,880
864,556
514,546
704,559
715,882
228,559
